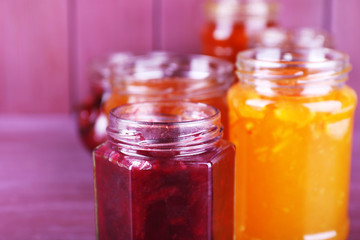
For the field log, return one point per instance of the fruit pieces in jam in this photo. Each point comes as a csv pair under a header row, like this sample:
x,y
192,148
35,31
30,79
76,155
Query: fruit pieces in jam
x,y
293,163
164,196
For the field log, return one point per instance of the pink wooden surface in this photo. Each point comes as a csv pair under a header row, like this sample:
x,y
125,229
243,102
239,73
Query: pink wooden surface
x,y
101,27
34,56
346,22
304,13
181,23
46,188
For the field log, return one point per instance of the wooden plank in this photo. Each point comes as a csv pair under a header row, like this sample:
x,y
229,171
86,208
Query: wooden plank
x,y
34,56
46,191
346,19
3,85
304,13
107,26
181,23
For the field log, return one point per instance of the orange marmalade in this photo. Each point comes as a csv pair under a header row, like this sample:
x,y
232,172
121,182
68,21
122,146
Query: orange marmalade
x,y
232,25
291,118
162,76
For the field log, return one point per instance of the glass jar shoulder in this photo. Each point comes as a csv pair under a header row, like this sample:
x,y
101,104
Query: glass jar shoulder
x,y
148,160
246,101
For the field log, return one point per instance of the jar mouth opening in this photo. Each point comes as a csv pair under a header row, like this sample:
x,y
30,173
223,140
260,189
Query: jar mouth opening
x,y
171,73
296,56
165,126
164,113
303,37
298,63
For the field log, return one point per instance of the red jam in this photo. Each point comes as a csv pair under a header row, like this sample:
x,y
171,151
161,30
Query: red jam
x,y
164,173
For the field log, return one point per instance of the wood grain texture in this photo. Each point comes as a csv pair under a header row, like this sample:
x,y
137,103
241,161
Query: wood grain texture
x,y
304,13
46,188
347,32
34,56
181,23
107,26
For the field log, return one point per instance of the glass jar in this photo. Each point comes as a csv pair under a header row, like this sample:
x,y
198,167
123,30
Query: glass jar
x,y
276,37
162,76
291,118
232,25
164,173
91,120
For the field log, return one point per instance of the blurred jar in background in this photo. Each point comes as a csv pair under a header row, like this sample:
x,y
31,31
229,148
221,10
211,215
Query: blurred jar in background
x,y
293,38
164,76
231,25
92,121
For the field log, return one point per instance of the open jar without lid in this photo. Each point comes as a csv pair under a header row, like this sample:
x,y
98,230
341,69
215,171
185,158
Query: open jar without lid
x,y
291,118
164,173
91,120
162,76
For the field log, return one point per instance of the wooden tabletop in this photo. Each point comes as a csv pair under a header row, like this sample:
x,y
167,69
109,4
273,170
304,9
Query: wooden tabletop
x,y
46,186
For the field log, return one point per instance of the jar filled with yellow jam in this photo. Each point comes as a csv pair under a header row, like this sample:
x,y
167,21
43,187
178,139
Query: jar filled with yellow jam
x,y
291,117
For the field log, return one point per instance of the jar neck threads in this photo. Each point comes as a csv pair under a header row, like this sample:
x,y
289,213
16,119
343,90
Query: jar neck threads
x,y
304,71
188,128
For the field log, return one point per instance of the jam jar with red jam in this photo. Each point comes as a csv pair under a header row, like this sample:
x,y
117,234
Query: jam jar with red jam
x,y
91,119
164,173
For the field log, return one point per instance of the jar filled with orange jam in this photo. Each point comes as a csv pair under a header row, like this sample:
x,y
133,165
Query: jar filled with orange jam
x,y
232,25
162,76
291,117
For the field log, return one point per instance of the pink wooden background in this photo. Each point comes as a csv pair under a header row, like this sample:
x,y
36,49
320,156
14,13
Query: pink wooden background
x,y
45,46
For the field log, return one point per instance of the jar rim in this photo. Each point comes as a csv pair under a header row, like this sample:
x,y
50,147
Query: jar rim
x,y
247,56
301,37
178,67
163,55
313,71
115,114
100,67
166,132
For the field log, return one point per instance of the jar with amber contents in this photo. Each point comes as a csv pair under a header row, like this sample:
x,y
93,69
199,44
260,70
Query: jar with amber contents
x,y
231,25
164,173
91,120
161,76
291,118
